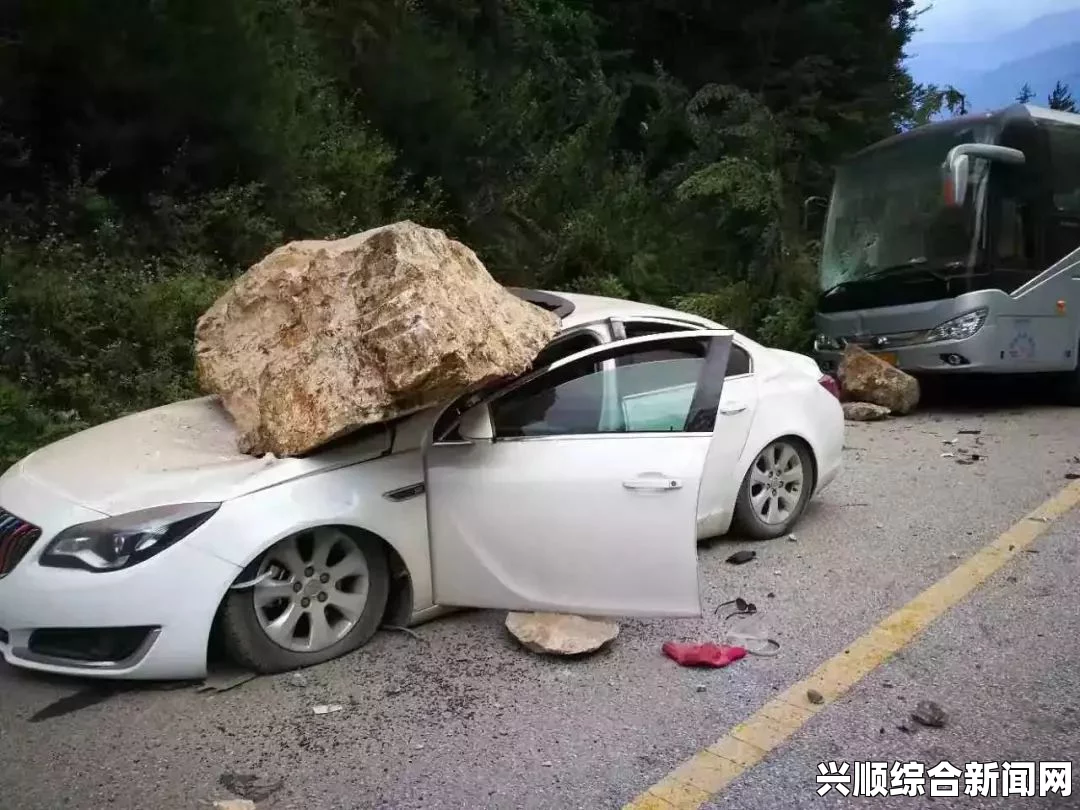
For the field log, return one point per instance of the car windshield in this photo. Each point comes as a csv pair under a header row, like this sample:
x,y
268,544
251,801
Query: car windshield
x,y
888,213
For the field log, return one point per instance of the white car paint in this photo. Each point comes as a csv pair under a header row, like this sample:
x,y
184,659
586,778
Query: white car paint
x,y
531,524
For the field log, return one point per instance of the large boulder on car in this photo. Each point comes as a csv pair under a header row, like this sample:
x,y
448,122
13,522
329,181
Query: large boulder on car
x,y
321,338
866,378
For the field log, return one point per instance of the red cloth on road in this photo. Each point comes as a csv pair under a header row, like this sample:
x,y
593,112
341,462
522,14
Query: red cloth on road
x,y
702,655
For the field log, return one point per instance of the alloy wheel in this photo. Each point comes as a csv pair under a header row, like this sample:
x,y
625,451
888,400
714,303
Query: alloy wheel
x,y
314,591
777,479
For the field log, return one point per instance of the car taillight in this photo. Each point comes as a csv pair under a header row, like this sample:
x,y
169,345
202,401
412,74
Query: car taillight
x,y
829,383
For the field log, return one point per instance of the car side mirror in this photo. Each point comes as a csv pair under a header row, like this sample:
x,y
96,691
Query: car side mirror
x,y
475,424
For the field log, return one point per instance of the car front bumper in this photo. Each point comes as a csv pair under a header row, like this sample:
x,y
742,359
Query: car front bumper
x,y
162,609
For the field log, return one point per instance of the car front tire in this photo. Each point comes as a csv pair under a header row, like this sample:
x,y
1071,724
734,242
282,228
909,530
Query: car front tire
x,y
318,595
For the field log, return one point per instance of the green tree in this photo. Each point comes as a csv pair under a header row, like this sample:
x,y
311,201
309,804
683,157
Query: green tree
x,y
1060,98
1026,94
660,149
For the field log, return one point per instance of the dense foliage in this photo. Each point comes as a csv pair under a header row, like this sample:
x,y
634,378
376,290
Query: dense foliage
x,y
152,149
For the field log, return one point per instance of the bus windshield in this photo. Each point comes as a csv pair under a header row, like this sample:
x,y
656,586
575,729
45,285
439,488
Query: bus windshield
x,y
888,214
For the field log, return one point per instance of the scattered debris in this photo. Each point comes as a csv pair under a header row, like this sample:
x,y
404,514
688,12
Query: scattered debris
x,y
742,607
950,441
815,697
399,629
327,708
77,701
546,763
928,713
1011,579
393,691
948,455
381,324
969,432
1071,476
234,804
1040,519
867,378
770,595
792,538
864,412
700,687
298,679
249,786
227,683
419,746
754,645
740,557
903,727
560,634
702,655
1031,551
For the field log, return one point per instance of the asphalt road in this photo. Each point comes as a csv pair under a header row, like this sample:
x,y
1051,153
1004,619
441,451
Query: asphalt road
x,y
462,718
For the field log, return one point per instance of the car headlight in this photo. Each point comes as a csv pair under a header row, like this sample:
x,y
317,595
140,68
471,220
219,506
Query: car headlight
x,y
960,327
824,343
125,540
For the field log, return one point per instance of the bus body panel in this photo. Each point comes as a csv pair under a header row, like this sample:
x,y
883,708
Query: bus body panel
x,y
1033,325
1023,332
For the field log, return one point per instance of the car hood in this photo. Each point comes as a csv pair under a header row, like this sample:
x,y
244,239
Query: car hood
x,y
178,453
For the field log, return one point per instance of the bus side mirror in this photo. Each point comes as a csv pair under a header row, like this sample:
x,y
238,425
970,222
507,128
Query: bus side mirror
x,y
956,180
814,214
957,165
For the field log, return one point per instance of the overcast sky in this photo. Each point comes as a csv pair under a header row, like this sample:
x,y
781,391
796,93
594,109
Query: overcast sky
x,y
968,20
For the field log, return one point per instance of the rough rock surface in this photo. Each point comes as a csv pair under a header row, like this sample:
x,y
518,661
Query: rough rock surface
x,y
866,378
865,412
323,337
560,634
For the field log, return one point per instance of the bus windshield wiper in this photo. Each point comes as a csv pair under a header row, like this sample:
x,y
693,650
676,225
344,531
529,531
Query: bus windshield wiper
x,y
914,266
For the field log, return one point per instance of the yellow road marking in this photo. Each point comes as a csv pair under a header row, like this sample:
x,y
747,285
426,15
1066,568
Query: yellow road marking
x,y
709,772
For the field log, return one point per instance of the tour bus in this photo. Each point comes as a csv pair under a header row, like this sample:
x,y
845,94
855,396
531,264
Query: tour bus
x,y
955,247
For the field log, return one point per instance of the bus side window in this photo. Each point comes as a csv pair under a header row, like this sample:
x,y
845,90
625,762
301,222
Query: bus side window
x,y
1065,179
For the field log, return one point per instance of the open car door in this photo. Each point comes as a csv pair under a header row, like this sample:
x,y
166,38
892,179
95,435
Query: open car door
x,y
575,488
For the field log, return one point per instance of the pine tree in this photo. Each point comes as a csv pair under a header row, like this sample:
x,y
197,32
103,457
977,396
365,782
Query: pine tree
x,y
1060,98
1026,94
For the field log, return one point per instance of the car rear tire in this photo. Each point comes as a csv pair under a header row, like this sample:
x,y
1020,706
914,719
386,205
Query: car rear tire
x,y
319,595
775,490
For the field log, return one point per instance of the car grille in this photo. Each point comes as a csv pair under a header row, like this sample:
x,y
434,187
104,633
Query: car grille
x,y
16,538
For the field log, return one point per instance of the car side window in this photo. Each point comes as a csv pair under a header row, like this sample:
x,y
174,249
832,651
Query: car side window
x,y
635,329
559,348
648,388
738,358
738,361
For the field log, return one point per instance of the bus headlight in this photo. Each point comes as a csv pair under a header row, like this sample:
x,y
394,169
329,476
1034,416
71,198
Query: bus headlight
x,y
959,328
824,343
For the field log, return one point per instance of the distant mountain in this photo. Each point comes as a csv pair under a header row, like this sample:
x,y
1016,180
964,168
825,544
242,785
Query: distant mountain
x,y
998,87
992,71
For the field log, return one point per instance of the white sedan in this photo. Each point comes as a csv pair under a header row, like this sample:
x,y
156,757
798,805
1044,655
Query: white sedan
x,y
583,486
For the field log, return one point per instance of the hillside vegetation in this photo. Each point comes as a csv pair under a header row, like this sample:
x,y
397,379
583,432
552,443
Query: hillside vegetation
x,y
150,150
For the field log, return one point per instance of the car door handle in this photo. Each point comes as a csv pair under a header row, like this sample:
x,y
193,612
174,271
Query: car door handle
x,y
656,482
731,408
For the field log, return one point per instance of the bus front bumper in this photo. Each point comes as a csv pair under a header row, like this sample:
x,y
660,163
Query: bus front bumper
x,y
981,353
